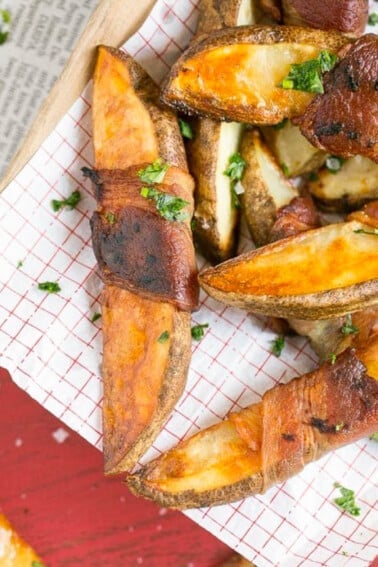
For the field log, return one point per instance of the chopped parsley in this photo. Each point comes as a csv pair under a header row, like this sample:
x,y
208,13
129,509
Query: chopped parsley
x,y
277,345
50,287
285,169
70,202
185,129
37,564
111,218
154,172
332,358
334,163
235,167
19,264
5,19
373,232
281,124
95,317
169,206
313,176
235,170
163,337
198,331
348,328
307,76
373,19
346,501
374,437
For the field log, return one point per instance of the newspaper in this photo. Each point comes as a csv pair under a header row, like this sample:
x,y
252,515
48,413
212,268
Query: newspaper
x,y
42,34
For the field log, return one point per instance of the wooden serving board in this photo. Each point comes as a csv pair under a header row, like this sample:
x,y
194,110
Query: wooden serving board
x,y
112,23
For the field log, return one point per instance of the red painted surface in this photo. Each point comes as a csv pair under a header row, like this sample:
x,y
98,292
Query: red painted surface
x,y
58,500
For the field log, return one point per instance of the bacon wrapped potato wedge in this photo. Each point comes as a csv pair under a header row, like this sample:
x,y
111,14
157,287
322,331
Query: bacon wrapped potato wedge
x,y
344,120
268,442
146,258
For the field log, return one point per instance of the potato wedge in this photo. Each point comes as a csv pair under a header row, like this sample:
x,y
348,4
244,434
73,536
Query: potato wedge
x,y
14,551
143,377
216,216
266,188
349,17
335,335
346,188
252,450
291,148
203,81
318,274
344,120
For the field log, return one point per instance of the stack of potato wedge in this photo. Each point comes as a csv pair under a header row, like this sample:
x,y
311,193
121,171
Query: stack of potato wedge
x,y
263,99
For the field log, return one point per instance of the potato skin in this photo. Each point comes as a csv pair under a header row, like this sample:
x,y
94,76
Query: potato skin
x,y
215,103
217,14
336,121
349,16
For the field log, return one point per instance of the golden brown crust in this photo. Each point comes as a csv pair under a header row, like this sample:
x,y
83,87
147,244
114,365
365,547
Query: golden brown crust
x,y
336,120
318,274
137,400
349,16
203,81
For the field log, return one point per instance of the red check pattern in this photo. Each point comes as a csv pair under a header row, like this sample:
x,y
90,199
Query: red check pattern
x,y
53,349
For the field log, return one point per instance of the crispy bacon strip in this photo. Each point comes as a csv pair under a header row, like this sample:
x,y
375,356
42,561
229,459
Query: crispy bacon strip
x,y
135,247
298,216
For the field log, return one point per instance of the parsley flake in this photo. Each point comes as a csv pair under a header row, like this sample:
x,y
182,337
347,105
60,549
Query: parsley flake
x,y
19,264
50,287
306,76
169,206
110,217
235,170
235,167
70,202
163,337
5,19
95,317
37,564
154,172
373,19
198,331
277,345
281,124
374,437
348,328
373,232
313,176
346,501
332,358
285,170
334,163
185,129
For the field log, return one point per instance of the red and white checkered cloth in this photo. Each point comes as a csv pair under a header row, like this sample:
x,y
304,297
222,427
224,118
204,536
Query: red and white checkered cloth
x,y
53,349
